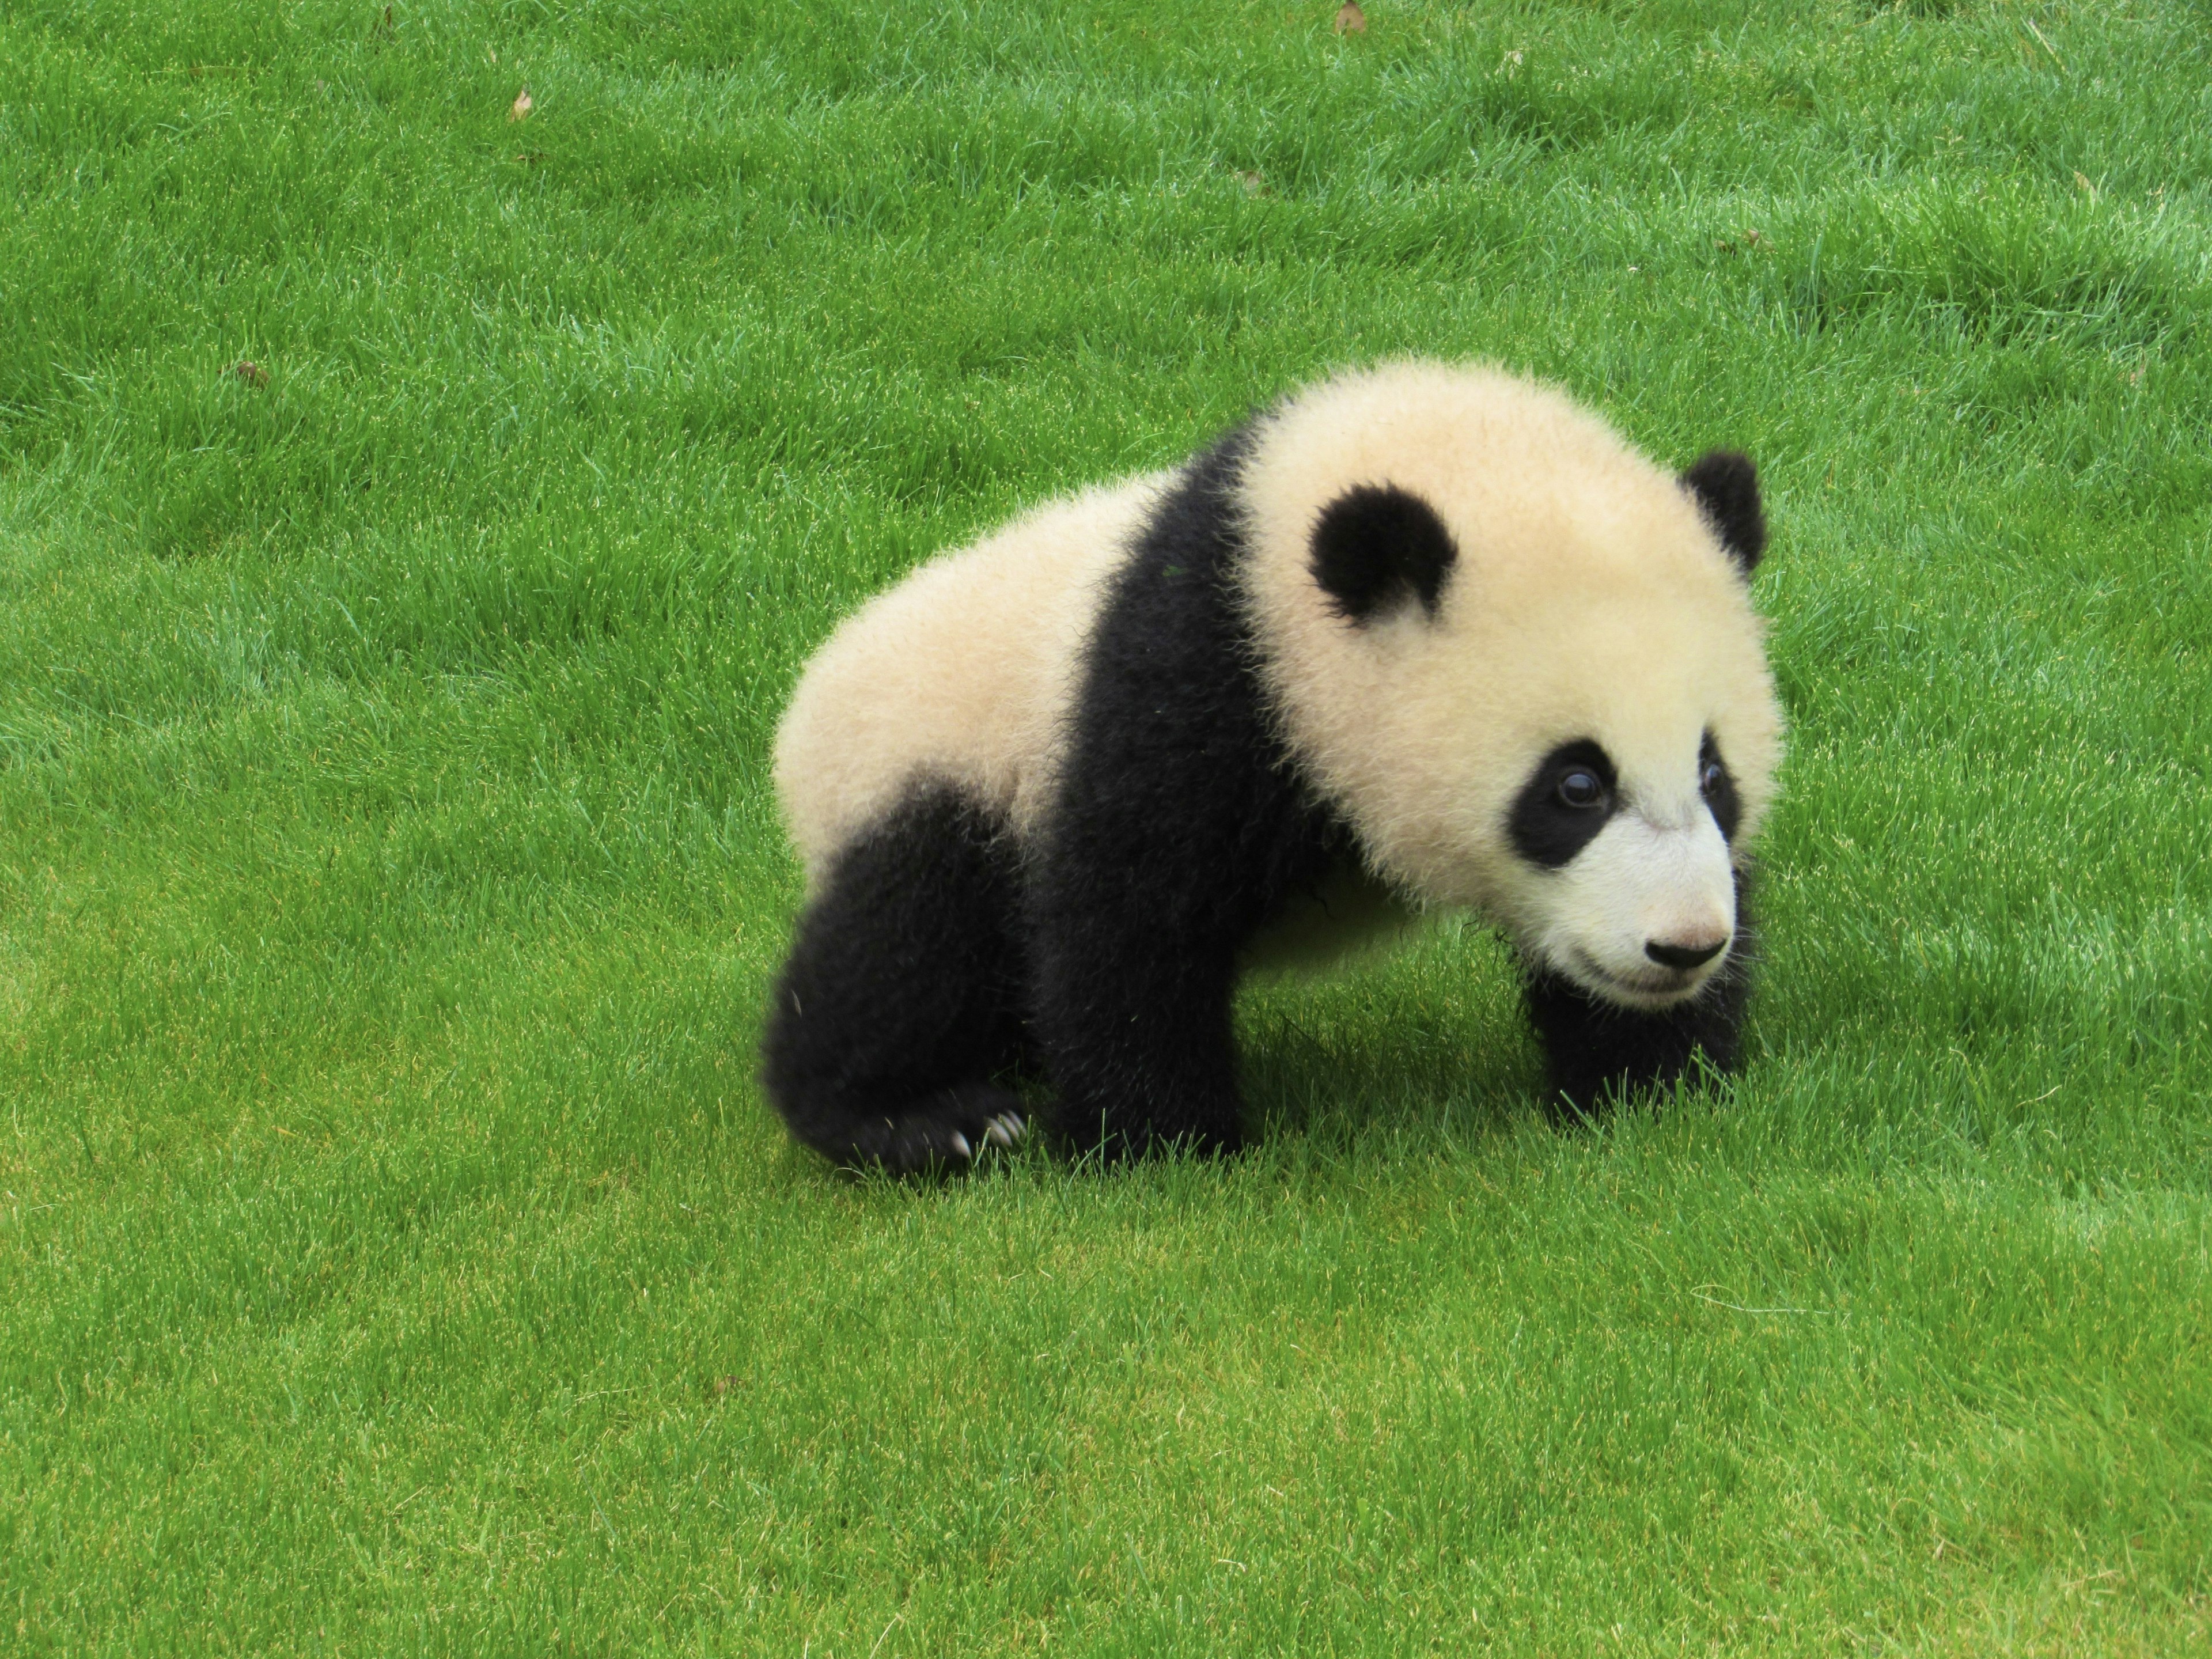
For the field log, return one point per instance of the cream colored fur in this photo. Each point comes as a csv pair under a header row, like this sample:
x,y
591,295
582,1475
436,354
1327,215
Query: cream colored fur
x,y
1591,599
963,671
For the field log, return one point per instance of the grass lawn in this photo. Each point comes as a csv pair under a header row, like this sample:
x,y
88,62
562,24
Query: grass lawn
x,y
395,1252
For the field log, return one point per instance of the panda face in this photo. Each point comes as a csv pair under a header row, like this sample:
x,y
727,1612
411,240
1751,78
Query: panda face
x,y
1521,660
1625,883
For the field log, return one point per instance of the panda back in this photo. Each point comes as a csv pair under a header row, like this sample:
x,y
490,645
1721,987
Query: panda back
x,y
963,672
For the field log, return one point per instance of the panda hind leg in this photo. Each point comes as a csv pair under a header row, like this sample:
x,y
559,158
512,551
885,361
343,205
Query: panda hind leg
x,y
902,998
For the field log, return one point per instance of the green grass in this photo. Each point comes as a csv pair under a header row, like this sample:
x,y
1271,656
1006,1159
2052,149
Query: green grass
x,y
395,1253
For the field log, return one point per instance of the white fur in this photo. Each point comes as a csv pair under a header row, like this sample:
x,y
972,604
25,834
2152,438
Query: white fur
x,y
1636,882
1591,599
963,670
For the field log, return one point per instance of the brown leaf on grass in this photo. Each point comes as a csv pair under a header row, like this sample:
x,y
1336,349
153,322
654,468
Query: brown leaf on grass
x,y
1350,19
1254,184
520,110
251,372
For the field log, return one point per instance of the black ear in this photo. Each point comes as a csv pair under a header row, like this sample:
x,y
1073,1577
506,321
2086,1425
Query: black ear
x,y
1375,543
1726,485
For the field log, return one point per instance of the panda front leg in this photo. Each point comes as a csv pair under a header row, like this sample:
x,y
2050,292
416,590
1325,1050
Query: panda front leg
x,y
1597,1049
1134,1024
1162,861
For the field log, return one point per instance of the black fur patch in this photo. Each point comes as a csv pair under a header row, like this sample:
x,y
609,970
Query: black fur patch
x,y
1545,830
1727,810
1180,827
1726,485
1377,543
903,994
1597,1049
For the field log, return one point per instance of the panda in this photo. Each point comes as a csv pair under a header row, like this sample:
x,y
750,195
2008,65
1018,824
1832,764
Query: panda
x,y
1418,637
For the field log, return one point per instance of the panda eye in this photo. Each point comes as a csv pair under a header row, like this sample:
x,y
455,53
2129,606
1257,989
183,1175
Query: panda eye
x,y
1581,790
1710,777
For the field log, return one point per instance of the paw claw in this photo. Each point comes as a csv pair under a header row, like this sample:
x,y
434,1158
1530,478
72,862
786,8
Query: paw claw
x,y
1004,1129
960,1146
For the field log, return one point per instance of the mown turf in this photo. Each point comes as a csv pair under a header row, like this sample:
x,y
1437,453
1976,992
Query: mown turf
x,y
395,1255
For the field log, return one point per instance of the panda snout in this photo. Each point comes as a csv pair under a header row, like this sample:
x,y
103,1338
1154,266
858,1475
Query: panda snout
x,y
1685,953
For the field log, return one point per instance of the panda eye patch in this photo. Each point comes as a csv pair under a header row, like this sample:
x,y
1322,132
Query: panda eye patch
x,y
1717,785
1581,790
1569,796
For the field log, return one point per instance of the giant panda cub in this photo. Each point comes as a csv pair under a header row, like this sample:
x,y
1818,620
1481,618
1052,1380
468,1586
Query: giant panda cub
x,y
1418,637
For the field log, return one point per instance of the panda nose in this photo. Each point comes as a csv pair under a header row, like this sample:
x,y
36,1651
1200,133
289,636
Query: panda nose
x,y
1684,956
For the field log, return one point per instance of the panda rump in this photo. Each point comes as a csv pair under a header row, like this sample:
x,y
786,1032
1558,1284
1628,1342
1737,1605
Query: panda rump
x,y
1429,634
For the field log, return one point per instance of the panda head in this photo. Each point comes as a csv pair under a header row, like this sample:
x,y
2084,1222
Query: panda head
x,y
1522,661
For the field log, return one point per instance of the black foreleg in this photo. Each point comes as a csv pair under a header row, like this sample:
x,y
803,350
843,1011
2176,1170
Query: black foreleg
x,y
1137,906
1137,1031
1596,1049
902,995
1180,823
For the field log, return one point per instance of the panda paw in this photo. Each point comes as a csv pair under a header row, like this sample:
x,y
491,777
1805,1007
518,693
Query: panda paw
x,y
946,1133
